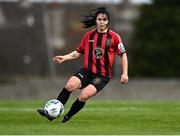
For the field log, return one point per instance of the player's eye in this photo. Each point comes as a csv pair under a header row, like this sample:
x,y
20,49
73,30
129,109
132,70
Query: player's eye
x,y
105,19
99,19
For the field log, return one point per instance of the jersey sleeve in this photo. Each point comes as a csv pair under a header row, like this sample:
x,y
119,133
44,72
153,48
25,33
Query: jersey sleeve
x,y
81,46
119,45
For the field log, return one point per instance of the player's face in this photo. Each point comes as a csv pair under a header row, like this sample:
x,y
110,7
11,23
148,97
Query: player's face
x,y
102,22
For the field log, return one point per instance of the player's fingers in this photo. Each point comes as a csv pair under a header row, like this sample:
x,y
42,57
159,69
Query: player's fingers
x,y
55,57
124,80
58,57
61,60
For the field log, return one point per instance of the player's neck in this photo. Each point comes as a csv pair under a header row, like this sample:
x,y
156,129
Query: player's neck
x,y
102,30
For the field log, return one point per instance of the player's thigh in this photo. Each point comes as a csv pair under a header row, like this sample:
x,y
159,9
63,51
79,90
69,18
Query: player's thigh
x,y
99,82
73,84
87,92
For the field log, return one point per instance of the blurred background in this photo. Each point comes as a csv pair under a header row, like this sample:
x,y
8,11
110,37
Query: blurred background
x,y
32,32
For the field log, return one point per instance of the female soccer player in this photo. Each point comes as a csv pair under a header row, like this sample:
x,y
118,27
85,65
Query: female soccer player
x,y
99,47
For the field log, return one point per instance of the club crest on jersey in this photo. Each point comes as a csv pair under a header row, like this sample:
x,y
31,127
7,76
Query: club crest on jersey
x,y
108,41
121,47
98,53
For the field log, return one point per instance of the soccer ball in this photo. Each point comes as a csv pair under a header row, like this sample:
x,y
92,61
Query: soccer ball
x,y
54,108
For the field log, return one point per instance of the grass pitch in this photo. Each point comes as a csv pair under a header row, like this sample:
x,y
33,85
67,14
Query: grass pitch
x,y
98,117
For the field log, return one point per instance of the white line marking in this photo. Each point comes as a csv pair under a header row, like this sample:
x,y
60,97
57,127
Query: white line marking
x,y
99,109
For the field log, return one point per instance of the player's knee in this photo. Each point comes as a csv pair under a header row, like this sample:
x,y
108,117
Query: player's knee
x,y
73,84
84,97
70,86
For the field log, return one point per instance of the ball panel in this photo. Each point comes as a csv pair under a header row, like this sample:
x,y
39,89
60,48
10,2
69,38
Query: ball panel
x,y
54,108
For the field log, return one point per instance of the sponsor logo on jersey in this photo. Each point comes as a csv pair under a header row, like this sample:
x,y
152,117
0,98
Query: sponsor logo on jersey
x,y
91,41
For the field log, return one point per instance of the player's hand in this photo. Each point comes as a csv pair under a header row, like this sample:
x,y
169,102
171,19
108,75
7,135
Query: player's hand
x,y
124,79
59,59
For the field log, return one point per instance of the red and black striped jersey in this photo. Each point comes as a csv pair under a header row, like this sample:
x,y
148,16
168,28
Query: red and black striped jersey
x,y
99,50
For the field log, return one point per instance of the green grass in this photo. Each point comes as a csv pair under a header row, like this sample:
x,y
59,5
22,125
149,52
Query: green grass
x,y
98,117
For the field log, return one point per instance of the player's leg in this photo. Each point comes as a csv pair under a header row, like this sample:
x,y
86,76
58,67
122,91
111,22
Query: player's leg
x,y
79,80
87,93
96,84
73,84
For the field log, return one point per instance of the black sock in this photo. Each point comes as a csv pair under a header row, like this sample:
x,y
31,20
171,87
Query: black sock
x,y
64,96
76,107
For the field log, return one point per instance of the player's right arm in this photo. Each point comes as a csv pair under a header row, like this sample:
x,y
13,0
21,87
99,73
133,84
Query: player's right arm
x,y
71,56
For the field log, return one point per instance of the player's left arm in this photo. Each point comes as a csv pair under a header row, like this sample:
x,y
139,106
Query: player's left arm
x,y
121,51
124,76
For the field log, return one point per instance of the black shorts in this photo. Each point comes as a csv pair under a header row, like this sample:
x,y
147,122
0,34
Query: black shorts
x,y
87,77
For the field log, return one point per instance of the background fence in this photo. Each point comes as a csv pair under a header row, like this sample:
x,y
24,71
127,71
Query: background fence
x,y
33,32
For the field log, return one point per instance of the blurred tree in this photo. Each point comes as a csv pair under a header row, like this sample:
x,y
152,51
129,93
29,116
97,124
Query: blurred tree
x,y
155,47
